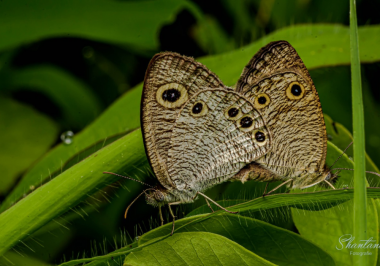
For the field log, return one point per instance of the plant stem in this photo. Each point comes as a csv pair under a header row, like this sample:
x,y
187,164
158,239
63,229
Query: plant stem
x,y
360,197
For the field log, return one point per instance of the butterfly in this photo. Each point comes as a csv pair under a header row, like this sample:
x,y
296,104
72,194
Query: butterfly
x,y
198,132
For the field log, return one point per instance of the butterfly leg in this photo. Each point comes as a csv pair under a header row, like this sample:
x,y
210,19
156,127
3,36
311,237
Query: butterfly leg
x,y
208,204
172,214
207,198
286,182
328,183
265,190
161,218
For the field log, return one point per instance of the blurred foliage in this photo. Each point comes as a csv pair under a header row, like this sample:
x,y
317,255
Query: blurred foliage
x,y
78,66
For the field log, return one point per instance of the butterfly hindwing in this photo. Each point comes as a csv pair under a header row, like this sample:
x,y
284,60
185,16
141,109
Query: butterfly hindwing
x,y
216,133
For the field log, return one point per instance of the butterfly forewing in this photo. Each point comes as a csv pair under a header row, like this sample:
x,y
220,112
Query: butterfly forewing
x,y
170,80
279,85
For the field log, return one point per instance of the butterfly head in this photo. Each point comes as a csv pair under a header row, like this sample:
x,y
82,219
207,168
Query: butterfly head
x,y
158,196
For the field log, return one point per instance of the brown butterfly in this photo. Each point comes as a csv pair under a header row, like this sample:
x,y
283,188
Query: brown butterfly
x,y
280,86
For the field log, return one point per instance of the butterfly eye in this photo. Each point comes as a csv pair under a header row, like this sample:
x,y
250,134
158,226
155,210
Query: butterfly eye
x,y
171,95
260,137
233,113
158,195
246,124
295,91
199,109
262,100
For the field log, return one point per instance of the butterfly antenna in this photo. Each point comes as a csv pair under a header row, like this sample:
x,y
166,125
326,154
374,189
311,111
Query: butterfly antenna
x,y
126,177
341,155
368,172
126,211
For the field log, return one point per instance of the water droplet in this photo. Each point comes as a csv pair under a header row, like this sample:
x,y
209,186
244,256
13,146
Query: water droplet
x,y
329,137
136,238
32,187
88,52
67,137
352,159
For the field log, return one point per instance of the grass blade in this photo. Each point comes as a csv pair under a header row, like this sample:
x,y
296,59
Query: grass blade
x,y
360,197
71,187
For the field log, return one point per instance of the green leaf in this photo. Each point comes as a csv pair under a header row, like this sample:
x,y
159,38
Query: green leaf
x,y
327,228
194,249
341,137
110,123
13,258
317,45
27,135
272,243
71,187
211,36
132,23
206,209
77,103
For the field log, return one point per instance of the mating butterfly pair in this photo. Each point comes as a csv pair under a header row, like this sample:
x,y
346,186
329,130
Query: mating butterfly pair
x,y
199,132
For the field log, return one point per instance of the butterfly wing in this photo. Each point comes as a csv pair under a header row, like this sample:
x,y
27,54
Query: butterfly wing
x,y
216,133
170,80
279,85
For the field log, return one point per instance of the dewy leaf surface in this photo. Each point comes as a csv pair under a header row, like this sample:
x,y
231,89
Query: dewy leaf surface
x,y
71,187
194,249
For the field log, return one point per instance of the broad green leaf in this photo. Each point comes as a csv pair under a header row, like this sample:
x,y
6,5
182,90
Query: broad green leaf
x,y
329,228
194,249
272,243
25,136
132,23
77,103
317,45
